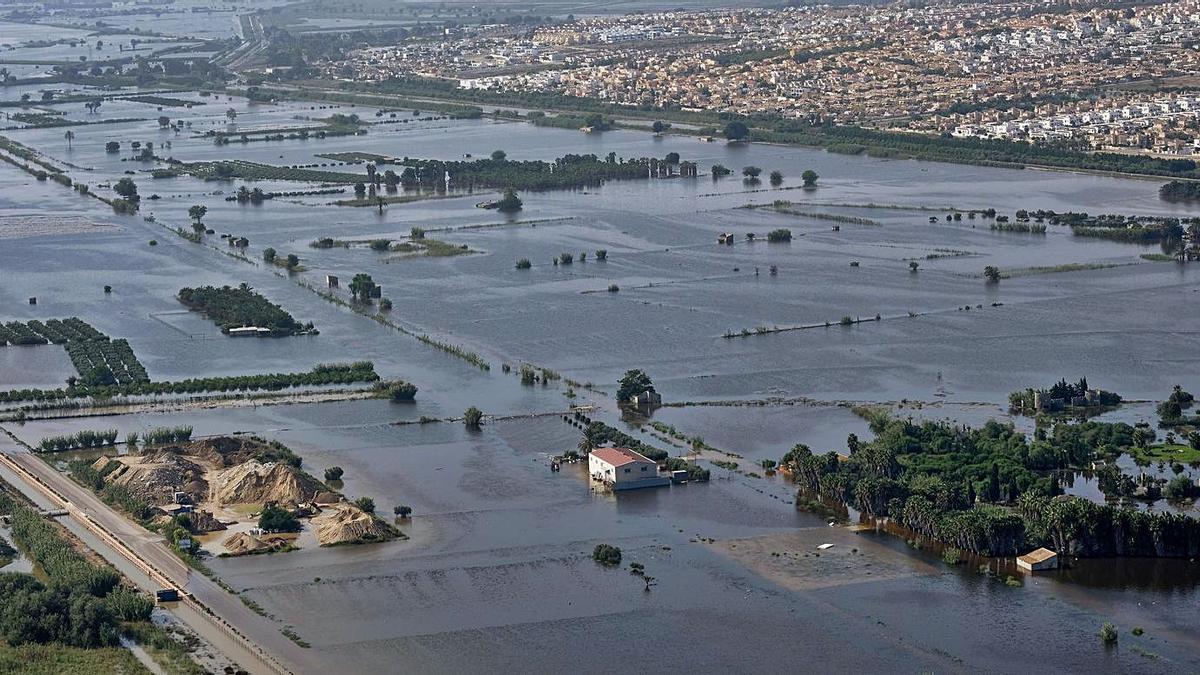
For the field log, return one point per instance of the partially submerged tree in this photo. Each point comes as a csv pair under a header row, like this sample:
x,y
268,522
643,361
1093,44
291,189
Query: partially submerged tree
x,y
634,382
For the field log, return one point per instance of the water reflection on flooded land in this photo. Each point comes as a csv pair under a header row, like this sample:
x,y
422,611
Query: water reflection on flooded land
x,y
496,572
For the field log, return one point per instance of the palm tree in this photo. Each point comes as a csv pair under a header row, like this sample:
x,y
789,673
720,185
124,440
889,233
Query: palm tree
x,y
586,445
70,136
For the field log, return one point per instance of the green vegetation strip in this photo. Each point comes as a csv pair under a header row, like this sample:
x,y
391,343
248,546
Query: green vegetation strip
x,y
1058,269
230,169
322,375
787,208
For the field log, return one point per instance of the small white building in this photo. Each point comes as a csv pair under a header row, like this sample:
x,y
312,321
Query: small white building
x,y
624,469
249,331
648,398
1039,560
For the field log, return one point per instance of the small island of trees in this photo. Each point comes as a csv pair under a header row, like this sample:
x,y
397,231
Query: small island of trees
x,y
237,307
990,490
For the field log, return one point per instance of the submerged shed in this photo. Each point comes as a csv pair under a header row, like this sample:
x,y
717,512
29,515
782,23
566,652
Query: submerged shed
x,y
1038,560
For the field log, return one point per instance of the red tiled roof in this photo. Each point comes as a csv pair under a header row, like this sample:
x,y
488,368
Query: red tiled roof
x,y
619,456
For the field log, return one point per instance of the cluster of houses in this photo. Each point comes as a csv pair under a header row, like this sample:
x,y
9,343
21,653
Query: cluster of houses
x,y
1160,126
1044,402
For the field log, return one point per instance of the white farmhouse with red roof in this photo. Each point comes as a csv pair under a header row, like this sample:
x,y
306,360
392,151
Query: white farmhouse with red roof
x,y
624,469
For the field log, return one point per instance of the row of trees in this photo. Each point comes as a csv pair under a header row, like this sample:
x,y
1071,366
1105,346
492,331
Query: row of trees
x,y
105,362
568,171
79,440
59,332
362,371
1180,191
751,173
167,435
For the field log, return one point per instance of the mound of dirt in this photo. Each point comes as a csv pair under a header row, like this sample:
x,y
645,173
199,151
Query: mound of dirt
x,y
223,451
348,524
204,521
242,543
257,483
155,477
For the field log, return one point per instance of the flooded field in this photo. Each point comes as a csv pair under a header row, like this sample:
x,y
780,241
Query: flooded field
x,y
496,571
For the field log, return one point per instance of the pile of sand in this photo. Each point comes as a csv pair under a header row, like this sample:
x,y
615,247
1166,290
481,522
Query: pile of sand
x,y
242,543
348,524
155,477
223,451
257,483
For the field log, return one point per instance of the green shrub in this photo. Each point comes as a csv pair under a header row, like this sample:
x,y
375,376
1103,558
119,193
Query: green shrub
x,y
366,504
278,519
472,416
607,555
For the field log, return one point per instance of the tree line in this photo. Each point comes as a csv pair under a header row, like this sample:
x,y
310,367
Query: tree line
x,y
362,371
83,439
568,171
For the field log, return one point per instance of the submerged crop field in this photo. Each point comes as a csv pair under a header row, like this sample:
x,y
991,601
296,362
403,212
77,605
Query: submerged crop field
x,y
887,327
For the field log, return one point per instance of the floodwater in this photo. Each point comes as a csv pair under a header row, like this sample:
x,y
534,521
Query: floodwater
x,y
496,571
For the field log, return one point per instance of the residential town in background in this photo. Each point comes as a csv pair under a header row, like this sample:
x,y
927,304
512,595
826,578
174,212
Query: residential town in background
x,y
1076,74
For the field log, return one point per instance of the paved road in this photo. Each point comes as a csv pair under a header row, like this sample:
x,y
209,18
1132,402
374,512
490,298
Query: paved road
x,y
254,42
216,614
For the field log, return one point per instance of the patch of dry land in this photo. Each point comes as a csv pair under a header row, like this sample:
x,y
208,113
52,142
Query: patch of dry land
x,y
795,561
35,225
226,482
